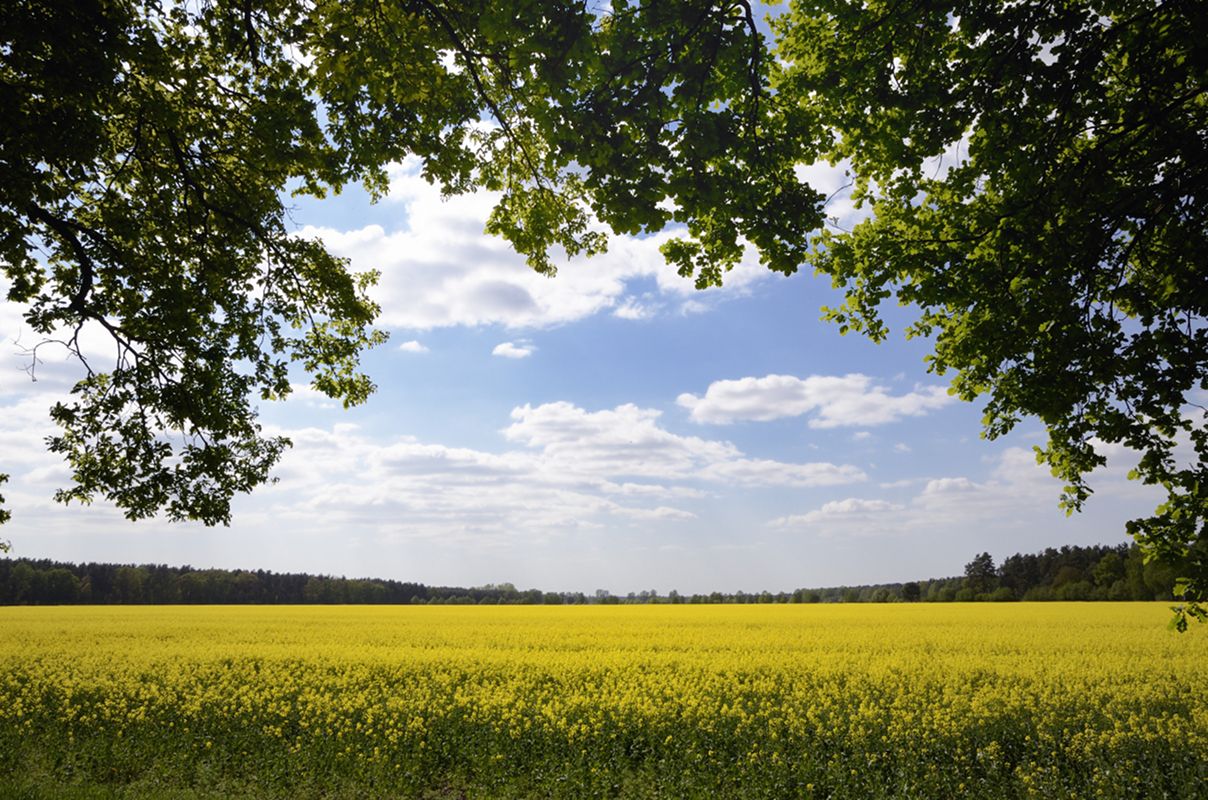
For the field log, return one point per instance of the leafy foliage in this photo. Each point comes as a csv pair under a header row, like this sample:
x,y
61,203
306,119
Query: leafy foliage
x,y
148,146
980,575
5,515
1035,174
145,155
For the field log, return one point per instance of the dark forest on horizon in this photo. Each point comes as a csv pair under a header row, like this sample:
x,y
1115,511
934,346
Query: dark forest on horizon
x,y
1096,573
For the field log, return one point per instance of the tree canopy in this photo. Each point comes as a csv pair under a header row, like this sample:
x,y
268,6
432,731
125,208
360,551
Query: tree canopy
x,y
1032,174
1035,175
148,147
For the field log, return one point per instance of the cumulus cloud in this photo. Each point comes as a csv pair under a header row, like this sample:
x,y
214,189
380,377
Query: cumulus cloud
x,y
573,468
632,309
773,473
628,441
310,396
849,400
412,347
841,511
835,182
34,363
620,442
1018,491
567,468
1016,486
36,473
896,484
24,425
443,270
510,350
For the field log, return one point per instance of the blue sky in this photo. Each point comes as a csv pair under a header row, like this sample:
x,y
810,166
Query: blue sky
x,y
609,428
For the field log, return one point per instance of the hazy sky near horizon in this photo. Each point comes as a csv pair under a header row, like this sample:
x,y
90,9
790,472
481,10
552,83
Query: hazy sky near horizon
x,y
608,428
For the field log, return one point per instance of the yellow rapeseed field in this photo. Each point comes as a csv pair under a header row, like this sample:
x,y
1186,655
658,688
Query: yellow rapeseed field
x,y
920,700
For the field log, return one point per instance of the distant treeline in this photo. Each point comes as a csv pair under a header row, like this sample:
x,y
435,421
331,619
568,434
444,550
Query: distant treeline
x,y
1117,572
44,582
1069,573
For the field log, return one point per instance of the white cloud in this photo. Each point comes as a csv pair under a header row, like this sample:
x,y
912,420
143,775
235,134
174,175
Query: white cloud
x,y
835,182
412,347
895,484
24,426
444,270
510,350
1017,494
773,473
849,400
842,512
312,397
575,469
35,474
628,441
632,309
625,441
32,363
572,470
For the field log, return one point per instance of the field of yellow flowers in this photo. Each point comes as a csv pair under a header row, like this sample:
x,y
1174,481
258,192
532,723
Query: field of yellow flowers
x,y
778,701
